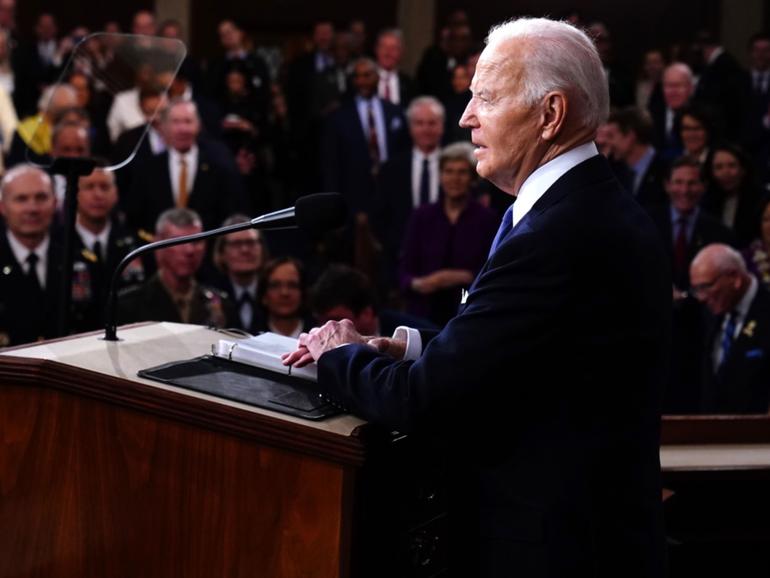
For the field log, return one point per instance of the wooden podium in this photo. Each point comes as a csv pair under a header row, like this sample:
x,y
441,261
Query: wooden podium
x,y
106,474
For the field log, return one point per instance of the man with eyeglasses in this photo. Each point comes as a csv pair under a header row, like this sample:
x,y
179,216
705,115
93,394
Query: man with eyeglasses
x,y
239,258
736,364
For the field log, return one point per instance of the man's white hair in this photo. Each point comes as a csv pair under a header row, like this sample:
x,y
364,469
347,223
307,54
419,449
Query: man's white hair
x,y
18,170
420,101
559,57
681,68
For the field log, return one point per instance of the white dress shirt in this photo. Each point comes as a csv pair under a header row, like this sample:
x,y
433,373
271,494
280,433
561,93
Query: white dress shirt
x,y
125,113
174,169
389,79
246,311
379,122
20,252
417,158
89,239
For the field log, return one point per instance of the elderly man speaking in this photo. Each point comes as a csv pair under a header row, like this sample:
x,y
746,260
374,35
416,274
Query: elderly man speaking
x,y
547,381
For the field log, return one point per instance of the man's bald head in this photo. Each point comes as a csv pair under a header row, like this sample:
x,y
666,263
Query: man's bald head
x,y
719,278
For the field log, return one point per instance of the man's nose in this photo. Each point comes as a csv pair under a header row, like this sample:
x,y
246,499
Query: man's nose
x,y
468,119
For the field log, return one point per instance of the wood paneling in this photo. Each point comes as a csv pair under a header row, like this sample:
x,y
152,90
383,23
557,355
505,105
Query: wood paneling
x,y
94,489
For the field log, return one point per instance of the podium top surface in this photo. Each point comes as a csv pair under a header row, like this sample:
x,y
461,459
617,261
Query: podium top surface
x,y
148,345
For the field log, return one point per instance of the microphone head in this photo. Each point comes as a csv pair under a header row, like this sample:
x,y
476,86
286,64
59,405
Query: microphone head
x,y
321,212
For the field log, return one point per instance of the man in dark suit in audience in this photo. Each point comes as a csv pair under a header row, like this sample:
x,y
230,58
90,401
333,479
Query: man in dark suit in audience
x,y
394,85
758,114
359,137
556,467
239,258
723,86
678,88
194,173
30,257
410,178
100,243
736,366
150,140
631,144
684,227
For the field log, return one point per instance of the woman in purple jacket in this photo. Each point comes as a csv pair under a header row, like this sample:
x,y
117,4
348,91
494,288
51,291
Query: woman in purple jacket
x,y
446,242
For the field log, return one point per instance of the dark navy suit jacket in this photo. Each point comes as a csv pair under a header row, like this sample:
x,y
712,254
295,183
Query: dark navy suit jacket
x,y
546,387
347,166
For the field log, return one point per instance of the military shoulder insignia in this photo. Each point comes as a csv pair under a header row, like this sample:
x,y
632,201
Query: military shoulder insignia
x,y
89,255
749,328
145,236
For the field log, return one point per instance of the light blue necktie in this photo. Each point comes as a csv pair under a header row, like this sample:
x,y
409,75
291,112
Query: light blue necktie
x,y
505,228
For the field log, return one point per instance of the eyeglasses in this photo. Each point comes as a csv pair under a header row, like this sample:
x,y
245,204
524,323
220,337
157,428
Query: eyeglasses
x,y
702,288
243,244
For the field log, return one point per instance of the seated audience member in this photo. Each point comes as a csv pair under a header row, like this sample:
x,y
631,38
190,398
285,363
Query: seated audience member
x,y
342,292
446,242
631,138
173,294
281,292
685,227
30,259
34,132
100,244
732,195
193,172
696,130
737,357
239,257
757,254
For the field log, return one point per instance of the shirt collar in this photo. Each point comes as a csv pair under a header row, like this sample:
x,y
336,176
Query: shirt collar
x,y
431,156
190,156
545,176
239,290
21,252
643,163
89,238
676,215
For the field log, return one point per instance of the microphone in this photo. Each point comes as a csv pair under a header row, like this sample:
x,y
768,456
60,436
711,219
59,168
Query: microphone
x,y
314,214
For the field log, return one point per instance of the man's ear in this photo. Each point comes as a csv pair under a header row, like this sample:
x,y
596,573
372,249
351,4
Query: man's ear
x,y
554,114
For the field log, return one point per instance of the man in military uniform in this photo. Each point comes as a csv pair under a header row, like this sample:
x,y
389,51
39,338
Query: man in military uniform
x,y
30,259
173,294
100,244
